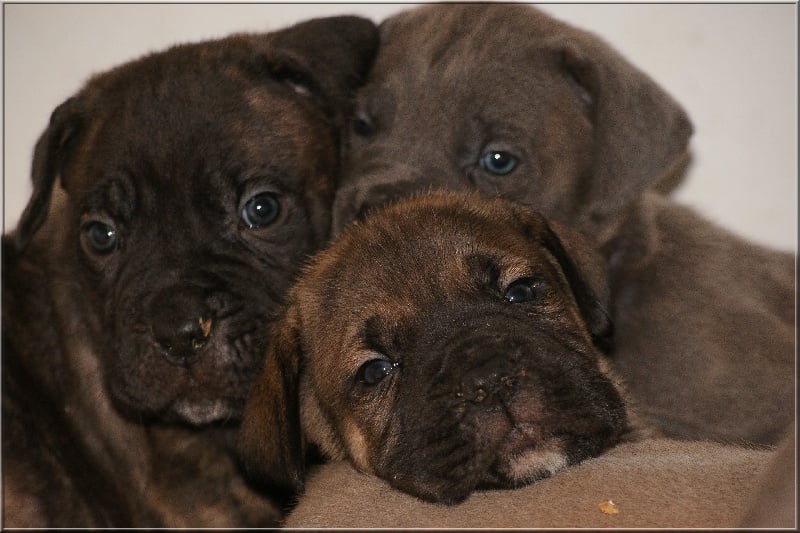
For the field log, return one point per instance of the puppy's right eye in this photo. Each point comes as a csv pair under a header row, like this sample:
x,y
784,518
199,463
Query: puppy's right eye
x,y
372,372
101,238
522,290
362,125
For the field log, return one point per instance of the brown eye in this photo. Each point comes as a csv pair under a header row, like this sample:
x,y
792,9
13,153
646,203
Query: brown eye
x,y
372,372
100,237
522,290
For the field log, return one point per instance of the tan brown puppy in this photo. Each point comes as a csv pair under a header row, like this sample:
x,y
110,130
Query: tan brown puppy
x,y
504,99
174,198
448,343
654,483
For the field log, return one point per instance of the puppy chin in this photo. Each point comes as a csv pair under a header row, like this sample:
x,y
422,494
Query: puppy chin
x,y
535,463
203,412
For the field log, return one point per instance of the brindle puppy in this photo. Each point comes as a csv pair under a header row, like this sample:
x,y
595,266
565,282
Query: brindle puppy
x,y
446,344
174,198
506,100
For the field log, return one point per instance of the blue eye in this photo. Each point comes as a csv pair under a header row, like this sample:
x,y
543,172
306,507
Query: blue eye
x,y
100,237
520,291
261,210
372,372
498,162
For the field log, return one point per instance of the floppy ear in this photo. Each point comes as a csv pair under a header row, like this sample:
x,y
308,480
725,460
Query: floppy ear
x,y
328,57
49,158
584,269
640,132
271,444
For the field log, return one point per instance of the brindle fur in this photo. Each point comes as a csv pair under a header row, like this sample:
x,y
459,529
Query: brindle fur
x,y
485,393
125,370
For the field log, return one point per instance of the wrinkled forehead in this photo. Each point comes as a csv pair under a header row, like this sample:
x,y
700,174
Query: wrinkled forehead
x,y
187,127
429,54
405,263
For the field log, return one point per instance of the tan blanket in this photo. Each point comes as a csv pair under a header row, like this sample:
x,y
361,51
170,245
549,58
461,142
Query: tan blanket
x,y
654,483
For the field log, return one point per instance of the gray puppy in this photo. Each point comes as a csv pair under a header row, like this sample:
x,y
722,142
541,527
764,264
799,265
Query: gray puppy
x,y
174,197
508,101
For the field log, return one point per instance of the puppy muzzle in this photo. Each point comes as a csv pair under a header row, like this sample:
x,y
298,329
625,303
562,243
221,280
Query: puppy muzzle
x,y
493,410
376,184
181,322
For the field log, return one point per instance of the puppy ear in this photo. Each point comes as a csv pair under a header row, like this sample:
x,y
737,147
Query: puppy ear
x,y
271,445
584,269
49,158
328,57
640,132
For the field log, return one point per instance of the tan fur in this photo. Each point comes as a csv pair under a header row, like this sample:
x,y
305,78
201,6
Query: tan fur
x,y
382,292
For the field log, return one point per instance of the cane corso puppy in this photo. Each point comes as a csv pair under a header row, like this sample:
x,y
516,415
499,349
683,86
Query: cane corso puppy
x,y
174,198
447,344
506,100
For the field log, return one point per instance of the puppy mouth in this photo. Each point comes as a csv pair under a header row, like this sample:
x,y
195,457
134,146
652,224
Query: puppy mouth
x,y
523,452
210,388
525,463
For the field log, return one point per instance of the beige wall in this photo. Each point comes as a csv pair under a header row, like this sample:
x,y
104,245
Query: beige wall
x,y
733,66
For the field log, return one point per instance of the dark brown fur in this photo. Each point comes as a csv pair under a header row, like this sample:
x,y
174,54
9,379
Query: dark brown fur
x,y
135,290
705,320
480,391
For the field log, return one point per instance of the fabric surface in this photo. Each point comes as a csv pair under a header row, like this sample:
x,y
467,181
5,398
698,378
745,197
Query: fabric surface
x,y
653,483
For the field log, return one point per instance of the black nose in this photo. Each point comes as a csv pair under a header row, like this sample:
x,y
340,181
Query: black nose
x,y
181,324
489,382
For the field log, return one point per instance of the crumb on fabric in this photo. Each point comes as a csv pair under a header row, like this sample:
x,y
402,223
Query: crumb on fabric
x,y
608,507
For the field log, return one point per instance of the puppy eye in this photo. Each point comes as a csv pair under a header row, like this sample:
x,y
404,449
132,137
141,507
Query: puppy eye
x,y
101,238
362,125
522,290
261,210
498,162
372,372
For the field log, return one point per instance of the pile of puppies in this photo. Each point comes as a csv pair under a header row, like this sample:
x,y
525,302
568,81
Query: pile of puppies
x,y
508,298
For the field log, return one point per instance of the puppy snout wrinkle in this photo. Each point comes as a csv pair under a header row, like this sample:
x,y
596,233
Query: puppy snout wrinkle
x,y
181,324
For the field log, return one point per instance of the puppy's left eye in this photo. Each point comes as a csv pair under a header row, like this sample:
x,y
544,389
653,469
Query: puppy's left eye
x,y
372,372
498,162
101,238
521,290
261,210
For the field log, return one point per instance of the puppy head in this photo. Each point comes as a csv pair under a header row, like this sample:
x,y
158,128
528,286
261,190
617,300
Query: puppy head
x,y
195,180
446,344
506,100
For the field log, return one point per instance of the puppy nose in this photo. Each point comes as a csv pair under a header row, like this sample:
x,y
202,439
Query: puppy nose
x,y
181,324
355,203
351,205
487,383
